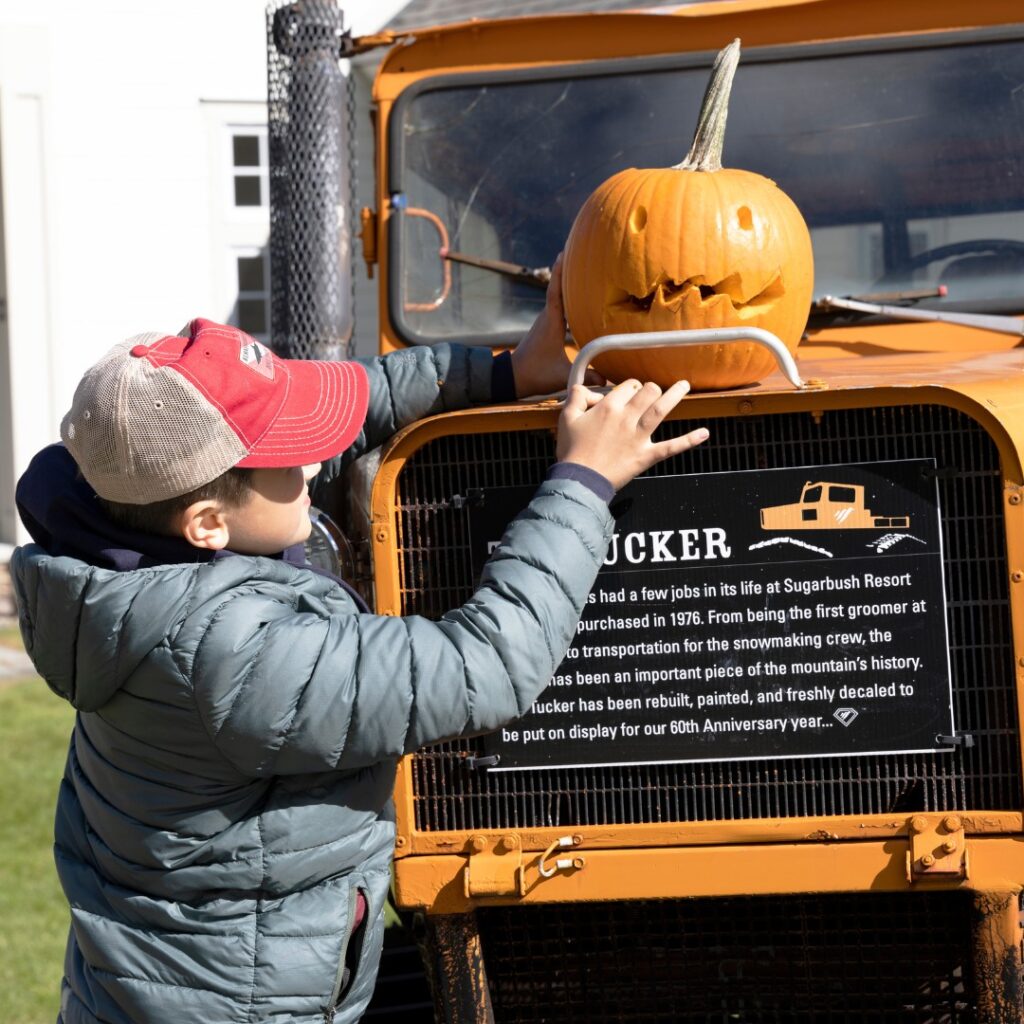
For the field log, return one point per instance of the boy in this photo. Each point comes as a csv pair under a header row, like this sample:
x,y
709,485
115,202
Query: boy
x,y
223,830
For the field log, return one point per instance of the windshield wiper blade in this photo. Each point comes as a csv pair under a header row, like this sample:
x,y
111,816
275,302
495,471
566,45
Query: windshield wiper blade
x,y
826,303
985,322
537,276
909,295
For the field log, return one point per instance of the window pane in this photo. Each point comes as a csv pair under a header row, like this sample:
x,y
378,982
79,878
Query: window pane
x,y
842,494
906,165
250,273
247,191
246,150
252,316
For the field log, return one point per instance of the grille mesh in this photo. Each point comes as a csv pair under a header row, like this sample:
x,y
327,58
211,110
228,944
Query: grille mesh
x,y
755,960
436,574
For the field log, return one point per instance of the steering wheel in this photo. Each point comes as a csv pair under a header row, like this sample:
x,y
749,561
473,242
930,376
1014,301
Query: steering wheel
x,y
975,246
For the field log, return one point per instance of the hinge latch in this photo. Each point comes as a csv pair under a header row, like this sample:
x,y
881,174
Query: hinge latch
x,y
938,848
368,236
495,866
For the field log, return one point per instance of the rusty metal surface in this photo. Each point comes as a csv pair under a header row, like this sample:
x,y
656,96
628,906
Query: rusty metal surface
x,y
454,960
996,931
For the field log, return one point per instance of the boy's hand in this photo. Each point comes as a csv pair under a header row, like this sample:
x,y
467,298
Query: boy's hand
x,y
612,433
539,362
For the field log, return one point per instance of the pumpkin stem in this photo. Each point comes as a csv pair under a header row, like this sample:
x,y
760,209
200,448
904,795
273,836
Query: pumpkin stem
x,y
706,152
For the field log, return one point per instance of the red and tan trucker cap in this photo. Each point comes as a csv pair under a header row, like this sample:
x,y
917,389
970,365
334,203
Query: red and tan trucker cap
x,y
159,416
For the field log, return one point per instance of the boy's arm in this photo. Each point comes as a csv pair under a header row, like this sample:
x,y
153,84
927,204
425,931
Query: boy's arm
x,y
294,692
423,380
316,692
416,382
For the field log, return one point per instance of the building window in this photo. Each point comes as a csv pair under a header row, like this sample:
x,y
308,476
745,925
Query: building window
x,y
252,310
249,165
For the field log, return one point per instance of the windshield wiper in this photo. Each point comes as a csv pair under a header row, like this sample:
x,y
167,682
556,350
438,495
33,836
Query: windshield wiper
x,y
863,304
537,276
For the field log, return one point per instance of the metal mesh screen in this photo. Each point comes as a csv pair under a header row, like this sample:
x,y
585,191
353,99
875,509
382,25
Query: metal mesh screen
x,y
309,111
757,960
436,575
402,994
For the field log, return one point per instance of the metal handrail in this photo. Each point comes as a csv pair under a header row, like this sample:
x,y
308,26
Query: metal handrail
x,y
663,339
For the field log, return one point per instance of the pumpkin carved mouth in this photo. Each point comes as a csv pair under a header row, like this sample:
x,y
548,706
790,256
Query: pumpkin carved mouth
x,y
698,292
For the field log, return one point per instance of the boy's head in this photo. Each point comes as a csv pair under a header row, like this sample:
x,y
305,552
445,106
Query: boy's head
x,y
210,436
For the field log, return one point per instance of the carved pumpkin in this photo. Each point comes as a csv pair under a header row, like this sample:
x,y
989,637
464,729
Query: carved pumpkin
x,y
687,247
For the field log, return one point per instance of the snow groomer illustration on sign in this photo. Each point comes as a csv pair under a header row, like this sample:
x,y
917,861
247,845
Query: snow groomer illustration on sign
x,y
825,505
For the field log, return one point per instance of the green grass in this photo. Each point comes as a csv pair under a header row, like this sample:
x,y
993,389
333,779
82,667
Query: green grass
x,y
34,729
10,635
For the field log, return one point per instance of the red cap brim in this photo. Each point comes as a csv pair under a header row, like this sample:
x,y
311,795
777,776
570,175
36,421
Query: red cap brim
x,y
322,414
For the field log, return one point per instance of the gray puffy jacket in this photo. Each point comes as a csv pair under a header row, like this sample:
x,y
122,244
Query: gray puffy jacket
x,y
227,789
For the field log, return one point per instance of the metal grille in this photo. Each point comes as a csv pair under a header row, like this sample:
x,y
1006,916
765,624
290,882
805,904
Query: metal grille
x,y
402,994
309,110
753,960
436,575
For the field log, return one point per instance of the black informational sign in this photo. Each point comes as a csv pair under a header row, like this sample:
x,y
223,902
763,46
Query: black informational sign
x,y
768,613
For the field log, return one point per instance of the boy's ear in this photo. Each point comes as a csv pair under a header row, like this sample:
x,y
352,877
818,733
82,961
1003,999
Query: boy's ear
x,y
204,525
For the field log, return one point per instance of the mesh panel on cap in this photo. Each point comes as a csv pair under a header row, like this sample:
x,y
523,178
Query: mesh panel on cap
x,y
141,433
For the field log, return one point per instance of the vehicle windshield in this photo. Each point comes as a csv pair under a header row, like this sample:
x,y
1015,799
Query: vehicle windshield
x,y
908,165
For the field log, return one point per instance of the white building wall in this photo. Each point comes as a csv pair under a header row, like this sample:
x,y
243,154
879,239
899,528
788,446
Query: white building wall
x,y
114,170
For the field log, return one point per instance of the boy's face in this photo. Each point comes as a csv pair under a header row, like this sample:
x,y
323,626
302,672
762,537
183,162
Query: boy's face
x,y
276,514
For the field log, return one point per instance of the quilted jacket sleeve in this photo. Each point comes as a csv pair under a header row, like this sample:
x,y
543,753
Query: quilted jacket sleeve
x,y
413,383
287,692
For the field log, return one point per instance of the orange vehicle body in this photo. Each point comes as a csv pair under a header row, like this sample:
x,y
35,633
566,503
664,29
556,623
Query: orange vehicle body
x,y
853,368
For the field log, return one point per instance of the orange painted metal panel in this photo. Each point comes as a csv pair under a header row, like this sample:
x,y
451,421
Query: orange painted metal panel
x,y
437,884
986,388
705,833
566,38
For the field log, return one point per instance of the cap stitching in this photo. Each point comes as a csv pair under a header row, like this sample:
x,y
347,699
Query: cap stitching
x,y
281,446
328,400
342,413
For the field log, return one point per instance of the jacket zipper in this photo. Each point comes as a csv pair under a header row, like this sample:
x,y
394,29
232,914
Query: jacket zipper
x,y
353,898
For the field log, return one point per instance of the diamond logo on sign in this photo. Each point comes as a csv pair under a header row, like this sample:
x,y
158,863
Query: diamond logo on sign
x,y
844,716
259,358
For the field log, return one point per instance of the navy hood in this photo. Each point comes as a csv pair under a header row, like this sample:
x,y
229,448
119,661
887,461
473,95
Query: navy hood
x,y
64,517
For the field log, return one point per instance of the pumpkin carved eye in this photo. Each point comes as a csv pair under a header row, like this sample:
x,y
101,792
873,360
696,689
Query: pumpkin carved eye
x,y
668,249
638,219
